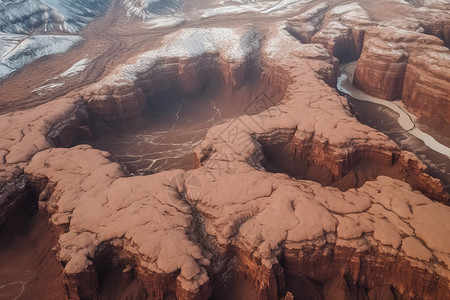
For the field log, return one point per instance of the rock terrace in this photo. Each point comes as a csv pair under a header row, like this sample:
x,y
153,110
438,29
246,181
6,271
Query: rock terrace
x,y
294,189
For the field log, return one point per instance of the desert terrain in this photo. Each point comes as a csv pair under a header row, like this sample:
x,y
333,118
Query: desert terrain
x,y
191,149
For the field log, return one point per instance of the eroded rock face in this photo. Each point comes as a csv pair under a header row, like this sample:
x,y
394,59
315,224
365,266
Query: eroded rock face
x,y
307,23
270,215
192,55
14,192
398,64
148,8
177,234
28,132
426,86
188,226
382,65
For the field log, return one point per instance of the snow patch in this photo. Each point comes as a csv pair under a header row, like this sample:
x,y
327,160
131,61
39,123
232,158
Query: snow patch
x,y
66,16
47,87
284,4
232,45
30,49
78,67
147,9
165,22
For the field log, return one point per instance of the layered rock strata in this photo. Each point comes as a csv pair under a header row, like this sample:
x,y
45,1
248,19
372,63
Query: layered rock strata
x,y
414,67
14,193
188,226
49,125
340,30
426,84
357,233
178,233
382,65
189,59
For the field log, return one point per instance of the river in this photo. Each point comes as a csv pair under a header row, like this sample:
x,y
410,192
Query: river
x,y
392,118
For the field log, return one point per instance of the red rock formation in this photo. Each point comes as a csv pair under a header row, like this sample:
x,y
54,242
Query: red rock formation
x,y
183,65
342,31
276,225
403,64
305,25
381,67
436,21
416,175
426,88
368,269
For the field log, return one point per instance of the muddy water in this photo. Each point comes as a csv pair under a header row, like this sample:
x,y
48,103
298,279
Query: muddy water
x,y
167,133
387,121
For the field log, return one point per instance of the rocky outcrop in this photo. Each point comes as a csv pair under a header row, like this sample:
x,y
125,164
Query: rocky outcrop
x,y
382,65
15,194
415,173
436,22
188,227
426,86
160,247
313,147
306,24
147,9
30,131
370,269
190,59
399,64
357,233
342,31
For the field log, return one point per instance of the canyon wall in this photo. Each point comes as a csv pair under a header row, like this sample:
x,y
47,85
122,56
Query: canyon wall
x,y
381,68
191,58
172,231
340,30
426,87
377,235
414,67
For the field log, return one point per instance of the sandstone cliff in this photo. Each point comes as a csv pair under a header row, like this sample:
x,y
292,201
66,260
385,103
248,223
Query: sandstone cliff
x,y
185,64
340,30
414,67
426,87
178,233
381,67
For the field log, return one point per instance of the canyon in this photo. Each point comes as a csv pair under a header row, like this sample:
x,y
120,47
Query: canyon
x,y
195,150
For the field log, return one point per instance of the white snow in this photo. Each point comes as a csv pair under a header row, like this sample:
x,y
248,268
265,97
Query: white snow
x,y
47,87
29,49
284,4
66,16
339,10
165,22
230,9
264,7
147,9
232,46
78,67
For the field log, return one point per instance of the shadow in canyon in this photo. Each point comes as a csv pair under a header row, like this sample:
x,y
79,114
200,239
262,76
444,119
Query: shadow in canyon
x,y
385,120
164,136
29,268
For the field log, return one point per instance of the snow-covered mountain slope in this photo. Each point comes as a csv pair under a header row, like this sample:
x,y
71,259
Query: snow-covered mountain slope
x,y
26,16
23,23
144,9
18,50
